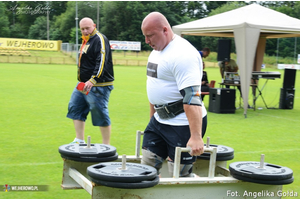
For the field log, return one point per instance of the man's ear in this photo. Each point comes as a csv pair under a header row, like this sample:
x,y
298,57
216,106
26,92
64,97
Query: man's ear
x,y
94,25
165,30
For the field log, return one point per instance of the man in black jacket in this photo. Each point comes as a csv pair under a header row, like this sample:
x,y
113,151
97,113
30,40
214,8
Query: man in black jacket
x,y
95,70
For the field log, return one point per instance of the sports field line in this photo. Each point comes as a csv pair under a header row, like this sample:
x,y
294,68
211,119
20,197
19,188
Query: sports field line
x,y
30,164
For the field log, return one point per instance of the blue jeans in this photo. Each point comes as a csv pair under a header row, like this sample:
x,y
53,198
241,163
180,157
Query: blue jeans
x,y
95,102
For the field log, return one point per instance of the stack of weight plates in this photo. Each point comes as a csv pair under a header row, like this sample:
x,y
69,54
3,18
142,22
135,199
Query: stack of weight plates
x,y
81,153
134,176
224,153
269,174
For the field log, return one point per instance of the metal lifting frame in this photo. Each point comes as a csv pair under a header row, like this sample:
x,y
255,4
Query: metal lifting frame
x,y
218,184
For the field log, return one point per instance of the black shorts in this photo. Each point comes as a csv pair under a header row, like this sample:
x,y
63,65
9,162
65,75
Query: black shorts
x,y
162,139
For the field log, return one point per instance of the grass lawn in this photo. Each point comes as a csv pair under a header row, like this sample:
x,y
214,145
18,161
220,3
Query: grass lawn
x,y
33,123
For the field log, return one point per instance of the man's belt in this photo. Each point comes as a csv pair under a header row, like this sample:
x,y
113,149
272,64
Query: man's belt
x,y
170,110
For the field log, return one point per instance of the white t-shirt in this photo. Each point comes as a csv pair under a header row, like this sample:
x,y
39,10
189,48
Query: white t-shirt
x,y
176,67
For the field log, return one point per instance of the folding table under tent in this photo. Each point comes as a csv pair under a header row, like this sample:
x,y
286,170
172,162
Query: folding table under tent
x,y
250,26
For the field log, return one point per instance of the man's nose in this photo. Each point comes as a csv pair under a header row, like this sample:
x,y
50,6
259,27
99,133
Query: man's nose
x,y
84,31
147,40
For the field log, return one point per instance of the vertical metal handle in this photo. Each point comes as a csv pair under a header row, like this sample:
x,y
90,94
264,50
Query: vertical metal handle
x,y
212,162
138,143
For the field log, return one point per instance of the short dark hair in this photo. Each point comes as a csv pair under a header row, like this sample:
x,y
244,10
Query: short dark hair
x,y
206,49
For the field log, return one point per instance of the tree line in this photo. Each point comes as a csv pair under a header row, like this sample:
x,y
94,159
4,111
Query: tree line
x,y
121,20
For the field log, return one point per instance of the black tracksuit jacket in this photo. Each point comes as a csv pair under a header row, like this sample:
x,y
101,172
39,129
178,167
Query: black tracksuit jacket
x,y
95,60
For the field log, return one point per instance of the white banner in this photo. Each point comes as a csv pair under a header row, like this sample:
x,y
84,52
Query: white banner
x,y
288,66
125,45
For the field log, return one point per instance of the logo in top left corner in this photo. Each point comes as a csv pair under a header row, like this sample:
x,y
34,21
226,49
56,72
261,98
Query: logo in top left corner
x,y
6,188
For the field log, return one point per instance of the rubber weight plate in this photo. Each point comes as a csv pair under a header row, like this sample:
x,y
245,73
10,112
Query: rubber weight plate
x,y
223,158
111,171
222,151
269,172
92,159
137,185
79,150
267,182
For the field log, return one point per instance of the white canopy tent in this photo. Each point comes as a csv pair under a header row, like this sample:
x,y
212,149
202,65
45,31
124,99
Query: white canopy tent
x,y
250,26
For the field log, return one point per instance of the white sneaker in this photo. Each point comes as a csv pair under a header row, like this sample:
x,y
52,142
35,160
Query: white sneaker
x,y
78,142
193,175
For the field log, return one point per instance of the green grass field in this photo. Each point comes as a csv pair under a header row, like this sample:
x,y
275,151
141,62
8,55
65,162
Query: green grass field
x,y
33,105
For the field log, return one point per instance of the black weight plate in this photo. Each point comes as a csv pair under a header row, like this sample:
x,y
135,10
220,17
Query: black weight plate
x,y
222,151
269,172
79,150
111,171
223,158
138,185
91,159
267,182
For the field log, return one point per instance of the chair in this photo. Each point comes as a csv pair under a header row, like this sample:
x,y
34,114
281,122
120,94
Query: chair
x,y
211,85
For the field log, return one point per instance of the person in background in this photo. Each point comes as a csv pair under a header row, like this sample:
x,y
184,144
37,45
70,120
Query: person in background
x,y
204,52
95,69
227,66
204,84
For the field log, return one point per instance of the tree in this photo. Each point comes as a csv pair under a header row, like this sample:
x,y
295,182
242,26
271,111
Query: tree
x,y
23,14
227,7
38,30
27,12
54,34
4,23
212,5
126,25
10,11
121,20
15,32
195,9
56,8
66,21
286,45
212,42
